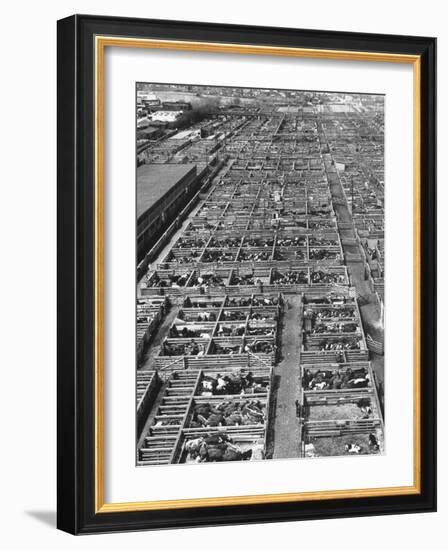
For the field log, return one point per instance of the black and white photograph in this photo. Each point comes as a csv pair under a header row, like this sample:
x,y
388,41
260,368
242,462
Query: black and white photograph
x,y
231,214
260,274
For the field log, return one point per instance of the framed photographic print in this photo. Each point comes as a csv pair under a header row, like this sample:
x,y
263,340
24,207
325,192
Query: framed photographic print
x,y
246,274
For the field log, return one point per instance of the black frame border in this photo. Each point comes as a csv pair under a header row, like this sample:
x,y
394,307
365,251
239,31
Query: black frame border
x,y
76,261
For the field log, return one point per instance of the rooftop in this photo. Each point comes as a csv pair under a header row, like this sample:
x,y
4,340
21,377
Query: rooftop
x,y
155,180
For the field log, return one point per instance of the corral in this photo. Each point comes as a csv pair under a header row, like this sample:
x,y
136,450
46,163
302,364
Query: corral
x,y
202,403
340,410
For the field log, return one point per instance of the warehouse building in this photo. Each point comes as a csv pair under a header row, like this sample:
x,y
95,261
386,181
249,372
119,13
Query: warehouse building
x,y
162,191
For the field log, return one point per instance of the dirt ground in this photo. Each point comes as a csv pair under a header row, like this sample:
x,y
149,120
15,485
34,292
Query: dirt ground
x,y
347,411
335,446
286,425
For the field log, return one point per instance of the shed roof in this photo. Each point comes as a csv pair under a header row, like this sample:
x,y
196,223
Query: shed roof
x,y
155,180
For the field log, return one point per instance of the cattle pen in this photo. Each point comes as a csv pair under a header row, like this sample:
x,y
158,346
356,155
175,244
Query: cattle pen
x,y
255,305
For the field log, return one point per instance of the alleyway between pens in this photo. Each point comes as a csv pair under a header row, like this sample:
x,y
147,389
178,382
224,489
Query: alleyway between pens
x,y
286,434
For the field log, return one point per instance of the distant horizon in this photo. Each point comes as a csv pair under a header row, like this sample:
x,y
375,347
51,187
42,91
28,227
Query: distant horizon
x,y
277,90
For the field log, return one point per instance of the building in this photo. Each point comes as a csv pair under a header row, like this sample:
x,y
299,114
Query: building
x,y
176,106
147,99
150,132
166,116
162,191
142,122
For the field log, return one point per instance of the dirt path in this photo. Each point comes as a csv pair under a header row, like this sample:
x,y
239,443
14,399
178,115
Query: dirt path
x,y
368,305
286,434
